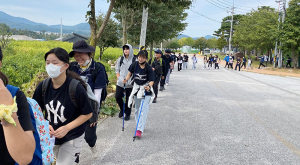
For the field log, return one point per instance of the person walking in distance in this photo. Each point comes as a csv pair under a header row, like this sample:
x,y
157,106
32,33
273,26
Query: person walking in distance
x,y
217,59
159,67
179,61
249,63
244,62
121,70
238,63
185,61
195,61
230,63
210,60
169,61
266,60
227,61
261,61
204,61
288,62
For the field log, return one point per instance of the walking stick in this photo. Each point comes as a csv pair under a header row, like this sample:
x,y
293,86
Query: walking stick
x,y
139,119
124,99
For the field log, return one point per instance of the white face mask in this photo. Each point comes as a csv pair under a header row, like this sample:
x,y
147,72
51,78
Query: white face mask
x,y
53,70
86,63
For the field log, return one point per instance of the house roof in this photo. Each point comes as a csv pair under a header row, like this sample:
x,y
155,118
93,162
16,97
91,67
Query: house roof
x,y
75,37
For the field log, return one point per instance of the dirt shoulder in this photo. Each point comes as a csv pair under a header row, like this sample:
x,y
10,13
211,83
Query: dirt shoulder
x,y
268,70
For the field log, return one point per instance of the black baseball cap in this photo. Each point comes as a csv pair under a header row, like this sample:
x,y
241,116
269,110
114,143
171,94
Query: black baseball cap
x,y
158,52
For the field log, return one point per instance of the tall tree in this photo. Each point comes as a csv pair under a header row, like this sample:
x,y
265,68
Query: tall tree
x,y
226,25
163,23
110,36
202,42
290,33
174,45
221,42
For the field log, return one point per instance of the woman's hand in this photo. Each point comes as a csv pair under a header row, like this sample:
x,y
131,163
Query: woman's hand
x,y
61,132
51,131
147,88
124,81
5,95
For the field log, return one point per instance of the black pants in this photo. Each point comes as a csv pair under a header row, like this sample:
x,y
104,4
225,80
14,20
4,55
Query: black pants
x,y
238,65
155,85
217,65
179,66
210,63
162,82
261,64
90,134
244,64
119,98
230,65
266,63
226,65
289,63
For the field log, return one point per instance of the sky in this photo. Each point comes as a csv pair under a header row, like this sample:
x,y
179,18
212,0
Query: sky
x,y
203,19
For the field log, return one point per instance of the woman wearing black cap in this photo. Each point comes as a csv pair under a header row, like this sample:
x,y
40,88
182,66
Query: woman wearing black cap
x,y
67,113
142,89
93,73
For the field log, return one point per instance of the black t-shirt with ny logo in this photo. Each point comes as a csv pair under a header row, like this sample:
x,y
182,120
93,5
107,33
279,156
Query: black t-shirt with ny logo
x,y
59,109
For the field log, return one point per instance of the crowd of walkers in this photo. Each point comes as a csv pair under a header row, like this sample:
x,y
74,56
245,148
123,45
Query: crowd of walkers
x,y
65,107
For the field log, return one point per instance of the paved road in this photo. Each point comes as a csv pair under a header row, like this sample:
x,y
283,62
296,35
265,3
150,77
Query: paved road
x,y
210,117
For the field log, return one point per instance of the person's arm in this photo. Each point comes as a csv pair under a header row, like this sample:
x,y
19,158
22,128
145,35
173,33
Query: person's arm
x,y
127,77
20,143
117,68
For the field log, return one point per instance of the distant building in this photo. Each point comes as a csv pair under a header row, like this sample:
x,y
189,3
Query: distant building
x,y
21,37
75,38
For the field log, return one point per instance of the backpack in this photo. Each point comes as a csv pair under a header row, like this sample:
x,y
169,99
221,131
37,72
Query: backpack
x,y
122,59
72,90
43,153
98,65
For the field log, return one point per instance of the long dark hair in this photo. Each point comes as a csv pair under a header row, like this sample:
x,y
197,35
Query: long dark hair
x,y
63,55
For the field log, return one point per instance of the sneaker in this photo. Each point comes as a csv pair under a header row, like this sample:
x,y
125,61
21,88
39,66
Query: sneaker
x,y
94,151
138,134
167,84
154,101
164,88
127,118
161,89
121,114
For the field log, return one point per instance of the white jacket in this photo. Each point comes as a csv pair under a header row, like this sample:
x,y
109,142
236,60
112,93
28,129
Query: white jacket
x,y
140,89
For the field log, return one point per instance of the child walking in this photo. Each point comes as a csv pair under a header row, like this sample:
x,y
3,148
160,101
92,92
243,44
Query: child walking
x,y
142,91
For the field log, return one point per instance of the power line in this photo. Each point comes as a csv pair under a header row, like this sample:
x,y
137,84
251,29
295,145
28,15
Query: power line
x,y
205,16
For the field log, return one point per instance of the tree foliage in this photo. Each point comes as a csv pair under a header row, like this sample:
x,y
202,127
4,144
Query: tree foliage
x,y
110,36
221,42
5,34
174,45
202,42
290,32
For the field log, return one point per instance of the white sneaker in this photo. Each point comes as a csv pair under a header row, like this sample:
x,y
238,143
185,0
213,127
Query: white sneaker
x,y
94,151
167,84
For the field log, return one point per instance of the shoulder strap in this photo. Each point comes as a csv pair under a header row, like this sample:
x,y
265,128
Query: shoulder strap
x,y
121,61
13,90
94,72
72,90
44,87
133,59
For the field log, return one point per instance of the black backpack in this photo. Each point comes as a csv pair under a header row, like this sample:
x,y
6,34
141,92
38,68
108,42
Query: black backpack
x,y
98,65
72,91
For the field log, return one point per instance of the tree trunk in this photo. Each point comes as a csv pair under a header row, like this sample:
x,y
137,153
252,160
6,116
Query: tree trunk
x,y
93,25
101,53
294,58
151,49
124,20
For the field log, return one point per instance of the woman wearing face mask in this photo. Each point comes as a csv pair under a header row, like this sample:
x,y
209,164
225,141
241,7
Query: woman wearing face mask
x,y
67,120
142,89
94,74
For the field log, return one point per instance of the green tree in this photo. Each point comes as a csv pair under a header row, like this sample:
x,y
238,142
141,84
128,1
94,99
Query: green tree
x,y
182,41
110,35
163,24
221,42
5,35
202,42
257,30
226,25
174,45
290,33
212,42
190,41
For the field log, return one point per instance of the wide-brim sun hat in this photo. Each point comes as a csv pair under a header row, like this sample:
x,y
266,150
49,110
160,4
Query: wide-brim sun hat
x,y
82,47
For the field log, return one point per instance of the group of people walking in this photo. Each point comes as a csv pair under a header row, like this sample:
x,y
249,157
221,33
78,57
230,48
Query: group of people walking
x,y
240,63
212,60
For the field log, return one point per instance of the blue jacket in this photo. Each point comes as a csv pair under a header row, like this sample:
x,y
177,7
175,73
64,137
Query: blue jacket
x,y
226,58
262,59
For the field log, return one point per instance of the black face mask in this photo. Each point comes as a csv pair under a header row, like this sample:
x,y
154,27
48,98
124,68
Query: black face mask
x,y
142,63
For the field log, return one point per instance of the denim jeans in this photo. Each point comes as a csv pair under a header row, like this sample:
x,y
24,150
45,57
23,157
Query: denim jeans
x,y
145,109
168,76
194,65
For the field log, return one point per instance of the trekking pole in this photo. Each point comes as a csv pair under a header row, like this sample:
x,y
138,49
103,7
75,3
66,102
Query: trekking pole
x,y
139,118
124,99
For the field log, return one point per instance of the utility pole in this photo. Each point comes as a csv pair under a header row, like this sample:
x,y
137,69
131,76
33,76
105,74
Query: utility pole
x,y
231,26
161,46
144,27
280,55
61,29
199,50
275,52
